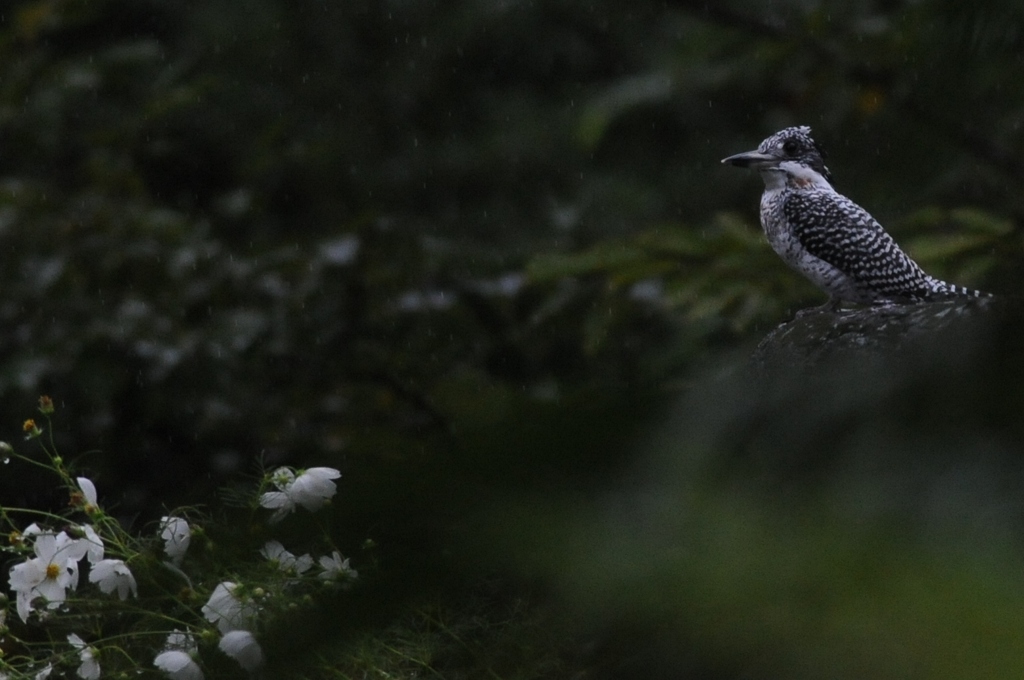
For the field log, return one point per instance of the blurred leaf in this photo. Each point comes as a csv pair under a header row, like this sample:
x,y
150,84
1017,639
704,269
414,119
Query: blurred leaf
x,y
959,220
981,221
941,246
619,98
602,258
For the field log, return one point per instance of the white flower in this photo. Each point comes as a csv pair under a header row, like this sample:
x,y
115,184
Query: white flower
x,y
275,552
112,575
178,665
177,535
45,672
241,646
176,659
282,477
181,641
227,610
93,544
32,530
311,489
49,574
89,492
336,567
90,668
279,501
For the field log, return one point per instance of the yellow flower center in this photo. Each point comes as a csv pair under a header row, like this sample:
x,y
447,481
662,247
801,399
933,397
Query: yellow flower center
x,y
52,571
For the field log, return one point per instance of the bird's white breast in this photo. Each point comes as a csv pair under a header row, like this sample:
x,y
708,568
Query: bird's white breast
x,y
785,243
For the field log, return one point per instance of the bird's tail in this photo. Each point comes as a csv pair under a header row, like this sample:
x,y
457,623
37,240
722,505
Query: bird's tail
x,y
942,289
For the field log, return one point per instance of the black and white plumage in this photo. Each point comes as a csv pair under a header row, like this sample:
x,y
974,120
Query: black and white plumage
x,y
827,237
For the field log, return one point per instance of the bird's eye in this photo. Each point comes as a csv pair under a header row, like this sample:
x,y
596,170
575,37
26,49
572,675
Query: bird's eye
x,y
790,148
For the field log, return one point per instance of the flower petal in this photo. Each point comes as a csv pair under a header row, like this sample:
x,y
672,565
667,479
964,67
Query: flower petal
x,y
88,489
178,665
227,610
177,535
243,648
111,575
93,544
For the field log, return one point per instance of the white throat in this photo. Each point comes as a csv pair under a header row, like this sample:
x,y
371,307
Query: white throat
x,y
791,173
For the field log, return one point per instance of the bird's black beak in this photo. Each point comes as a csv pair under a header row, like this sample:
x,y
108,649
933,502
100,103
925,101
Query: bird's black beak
x,y
751,159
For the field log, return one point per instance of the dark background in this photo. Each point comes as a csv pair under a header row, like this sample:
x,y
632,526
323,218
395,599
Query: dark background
x,y
480,256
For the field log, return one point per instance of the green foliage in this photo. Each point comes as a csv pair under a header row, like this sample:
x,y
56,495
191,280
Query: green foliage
x,y
354,232
858,520
475,639
720,281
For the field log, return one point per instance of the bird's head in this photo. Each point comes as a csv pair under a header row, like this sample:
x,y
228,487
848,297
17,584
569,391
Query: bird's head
x,y
792,151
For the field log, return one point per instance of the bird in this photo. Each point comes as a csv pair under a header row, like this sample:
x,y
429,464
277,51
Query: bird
x,y
828,238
